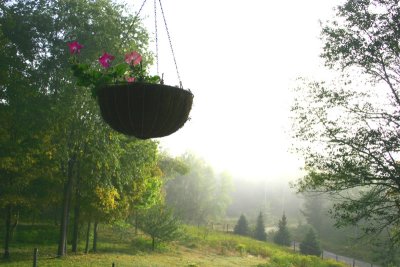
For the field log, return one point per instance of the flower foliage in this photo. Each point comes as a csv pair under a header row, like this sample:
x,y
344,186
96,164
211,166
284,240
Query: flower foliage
x,y
75,47
133,58
106,59
94,76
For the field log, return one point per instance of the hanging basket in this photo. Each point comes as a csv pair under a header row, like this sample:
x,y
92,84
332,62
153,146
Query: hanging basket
x,y
145,110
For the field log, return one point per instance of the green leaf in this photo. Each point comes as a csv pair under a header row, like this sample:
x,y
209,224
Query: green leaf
x,y
121,69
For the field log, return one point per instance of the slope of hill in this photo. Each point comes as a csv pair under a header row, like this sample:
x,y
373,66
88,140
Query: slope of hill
x,y
197,247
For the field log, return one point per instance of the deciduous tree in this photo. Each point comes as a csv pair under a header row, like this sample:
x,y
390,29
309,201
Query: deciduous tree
x,y
348,130
160,224
48,122
199,195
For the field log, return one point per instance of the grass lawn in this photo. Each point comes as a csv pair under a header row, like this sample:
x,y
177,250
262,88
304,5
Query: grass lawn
x,y
198,247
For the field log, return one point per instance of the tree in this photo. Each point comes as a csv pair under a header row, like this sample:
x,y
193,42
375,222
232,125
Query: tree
x,y
310,244
242,227
282,237
259,232
348,130
160,224
48,122
313,210
199,195
24,142
384,251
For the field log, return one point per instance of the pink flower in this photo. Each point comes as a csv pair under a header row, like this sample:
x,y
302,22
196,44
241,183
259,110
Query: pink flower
x,y
130,79
75,47
133,58
105,60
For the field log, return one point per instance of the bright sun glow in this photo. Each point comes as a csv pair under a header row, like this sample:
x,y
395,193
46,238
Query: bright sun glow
x,y
240,59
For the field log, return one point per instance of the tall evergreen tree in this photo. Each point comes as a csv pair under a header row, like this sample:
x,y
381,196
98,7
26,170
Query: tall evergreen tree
x,y
282,237
310,244
259,232
242,227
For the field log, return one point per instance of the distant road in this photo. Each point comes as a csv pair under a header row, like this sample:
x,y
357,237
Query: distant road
x,y
340,258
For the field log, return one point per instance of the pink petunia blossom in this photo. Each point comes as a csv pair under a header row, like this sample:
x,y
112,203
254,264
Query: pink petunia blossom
x,y
130,79
106,59
133,58
75,47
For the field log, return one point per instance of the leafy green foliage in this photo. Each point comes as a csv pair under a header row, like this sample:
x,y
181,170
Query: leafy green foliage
x,y
55,151
95,78
242,227
347,130
160,224
198,195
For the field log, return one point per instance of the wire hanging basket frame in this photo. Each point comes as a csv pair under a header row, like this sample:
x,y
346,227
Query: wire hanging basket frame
x,y
146,110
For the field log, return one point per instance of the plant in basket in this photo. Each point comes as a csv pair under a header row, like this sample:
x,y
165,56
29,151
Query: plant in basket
x,y
131,101
95,76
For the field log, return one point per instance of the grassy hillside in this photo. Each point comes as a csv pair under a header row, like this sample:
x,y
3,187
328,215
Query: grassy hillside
x,y
197,247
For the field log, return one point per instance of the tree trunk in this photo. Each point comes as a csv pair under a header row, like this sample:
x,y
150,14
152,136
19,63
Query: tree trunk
x,y
95,236
87,237
7,237
14,226
62,243
153,243
76,212
76,226
136,223
55,210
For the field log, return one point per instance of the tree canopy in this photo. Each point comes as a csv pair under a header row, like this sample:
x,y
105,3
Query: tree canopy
x,y
348,129
56,153
199,195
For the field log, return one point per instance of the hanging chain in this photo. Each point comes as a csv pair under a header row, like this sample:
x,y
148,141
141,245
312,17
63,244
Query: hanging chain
x,y
156,32
170,44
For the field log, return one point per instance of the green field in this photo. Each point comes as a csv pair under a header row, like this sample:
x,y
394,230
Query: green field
x,y
197,247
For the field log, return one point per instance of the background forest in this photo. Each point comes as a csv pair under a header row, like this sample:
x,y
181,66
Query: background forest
x,y
71,184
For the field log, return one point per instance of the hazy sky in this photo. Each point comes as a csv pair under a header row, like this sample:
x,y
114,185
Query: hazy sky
x,y
240,58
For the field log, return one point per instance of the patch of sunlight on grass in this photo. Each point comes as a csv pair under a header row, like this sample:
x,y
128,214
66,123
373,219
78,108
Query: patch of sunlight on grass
x,y
197,248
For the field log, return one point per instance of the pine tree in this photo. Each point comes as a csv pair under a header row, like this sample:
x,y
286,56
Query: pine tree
x,y
259,232
282,237
310,244
242,227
